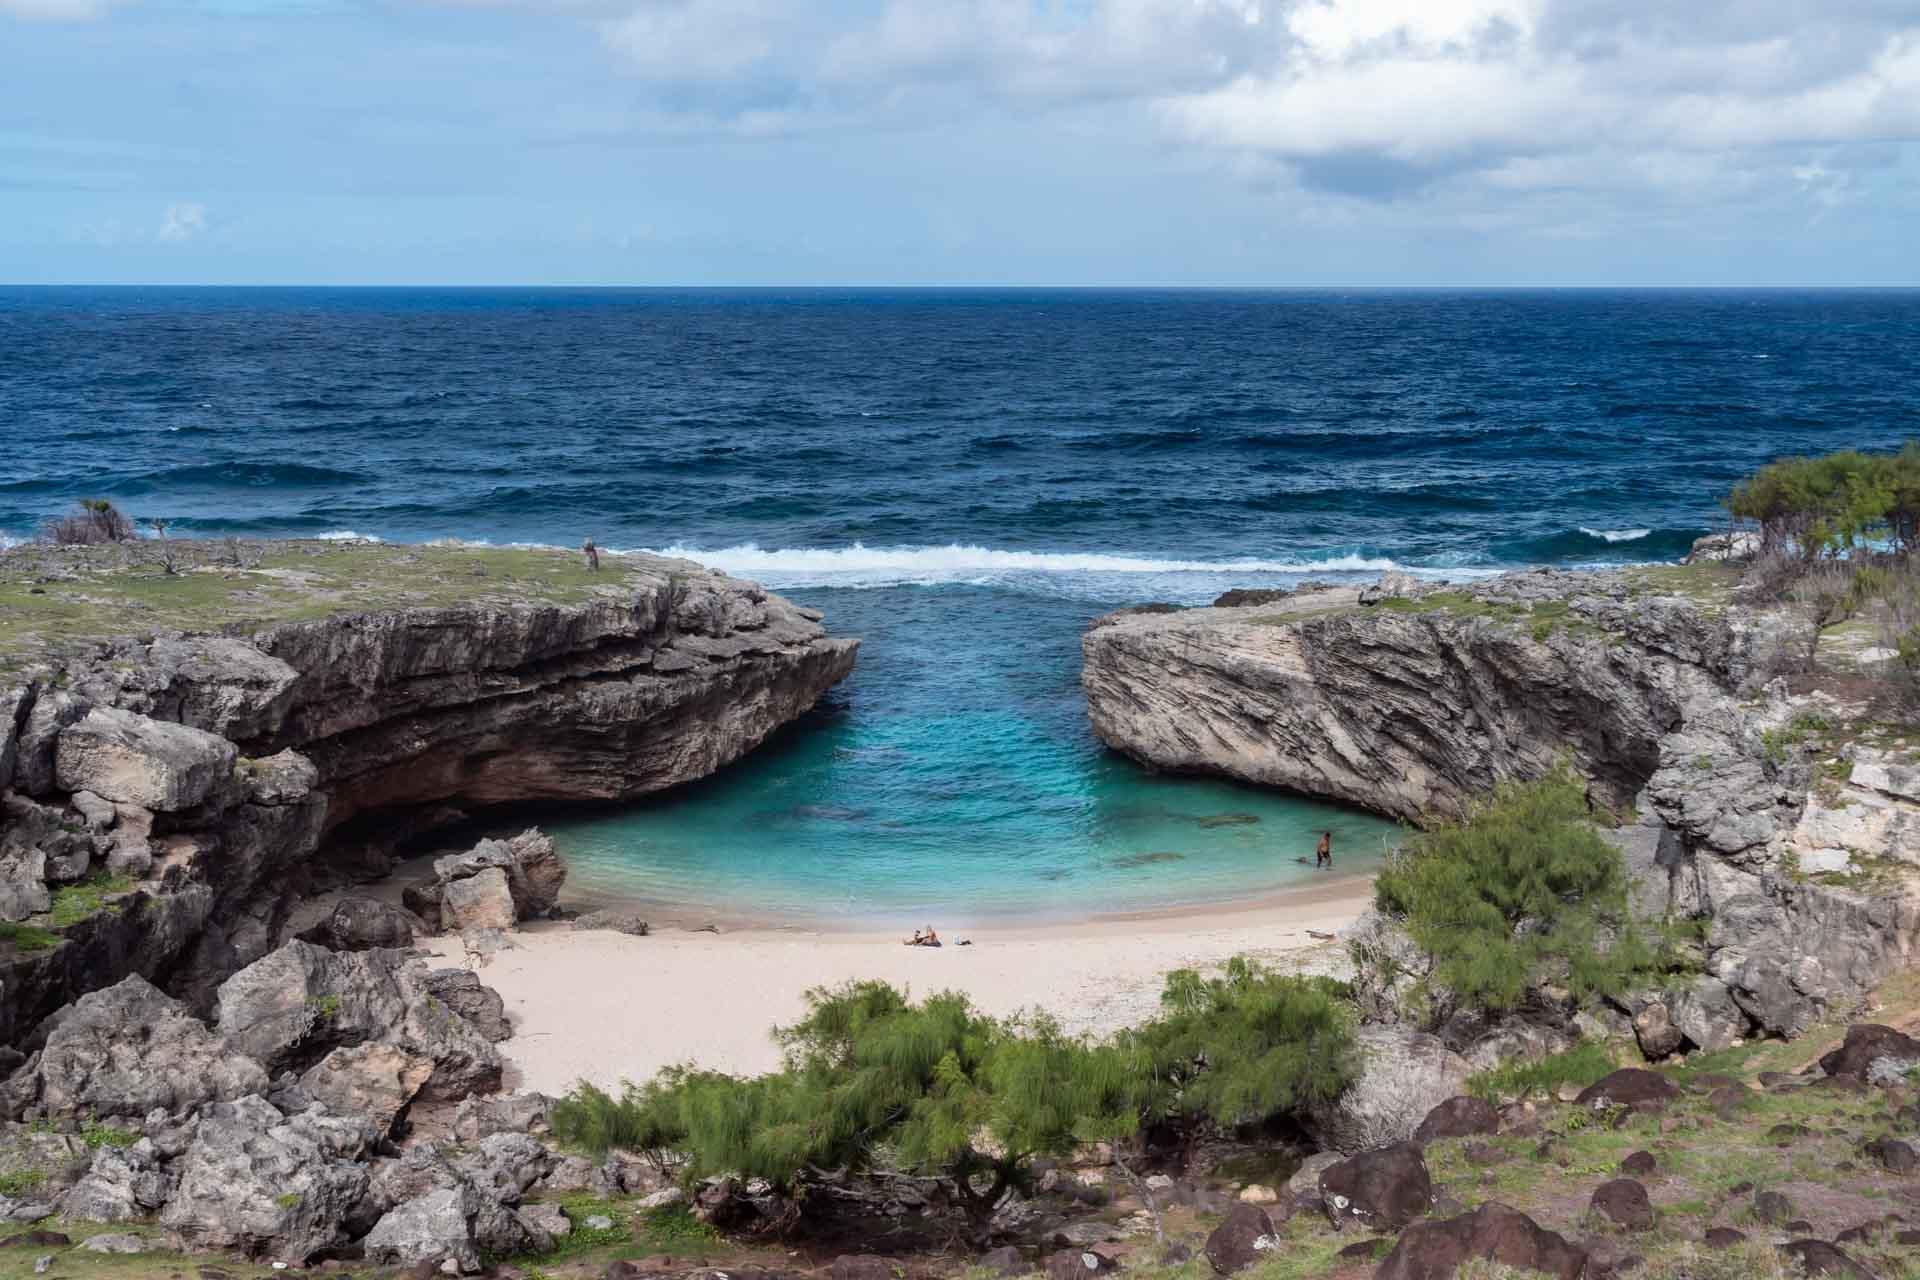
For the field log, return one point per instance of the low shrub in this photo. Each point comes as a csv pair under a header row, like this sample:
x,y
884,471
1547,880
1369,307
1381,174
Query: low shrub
x,y
873,1083
1520,890
97,521
1245,1046
1827,506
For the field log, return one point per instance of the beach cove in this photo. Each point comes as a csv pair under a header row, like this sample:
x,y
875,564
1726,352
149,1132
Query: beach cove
x,y
603,1006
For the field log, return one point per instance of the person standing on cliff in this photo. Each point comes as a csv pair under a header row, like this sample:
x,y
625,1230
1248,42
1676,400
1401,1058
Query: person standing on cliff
x,y
592,553
1323,855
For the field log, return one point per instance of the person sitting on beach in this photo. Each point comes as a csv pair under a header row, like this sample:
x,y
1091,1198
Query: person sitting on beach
x,y
924,938
1323,856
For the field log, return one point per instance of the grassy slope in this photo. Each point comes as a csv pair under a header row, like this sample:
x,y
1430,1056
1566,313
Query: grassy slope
x,y
52,600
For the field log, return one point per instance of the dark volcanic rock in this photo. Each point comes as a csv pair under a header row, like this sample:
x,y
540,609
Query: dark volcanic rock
x,y
1818,1258
462,991
1435,1250
1628,1087
1723,1238
1241,597
1241,1240
1074,1264
1624,1203
1865,1043
861,1266
1380,1190
1460,1117
1772,1207
1004,1261
1894,1155
358,923
1639,1164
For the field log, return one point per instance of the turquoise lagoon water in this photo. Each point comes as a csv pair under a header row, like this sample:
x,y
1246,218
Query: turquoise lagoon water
x,y
953,780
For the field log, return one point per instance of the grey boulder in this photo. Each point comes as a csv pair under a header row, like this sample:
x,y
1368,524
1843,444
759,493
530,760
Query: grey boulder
x,y
129,759
1404,1075
292,1007
359,923
129,1049
260,1182
462,991
123,1184
456,1223
376,1080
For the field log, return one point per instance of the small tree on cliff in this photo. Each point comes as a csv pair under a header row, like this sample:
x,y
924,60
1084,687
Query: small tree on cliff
x,y
1521,890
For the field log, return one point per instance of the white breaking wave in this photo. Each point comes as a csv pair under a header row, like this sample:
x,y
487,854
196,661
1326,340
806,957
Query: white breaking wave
x,y
1616,535
956,560
346,535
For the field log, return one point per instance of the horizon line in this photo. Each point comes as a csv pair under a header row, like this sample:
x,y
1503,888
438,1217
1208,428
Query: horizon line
x,y
964,288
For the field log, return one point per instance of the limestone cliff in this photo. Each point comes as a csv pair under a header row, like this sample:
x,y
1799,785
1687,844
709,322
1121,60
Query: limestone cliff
x,y
1795,847
182,745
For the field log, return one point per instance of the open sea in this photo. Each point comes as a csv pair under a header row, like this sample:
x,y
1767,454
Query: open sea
x,y
964,478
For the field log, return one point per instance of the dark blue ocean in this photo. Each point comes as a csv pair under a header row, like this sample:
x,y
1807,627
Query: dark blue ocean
x,y
963,478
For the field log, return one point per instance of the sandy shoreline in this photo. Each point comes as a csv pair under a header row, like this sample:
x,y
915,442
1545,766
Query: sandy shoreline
x,y
604,1006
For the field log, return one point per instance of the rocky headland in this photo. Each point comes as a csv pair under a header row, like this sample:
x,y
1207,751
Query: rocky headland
x,y
194,735
1776,814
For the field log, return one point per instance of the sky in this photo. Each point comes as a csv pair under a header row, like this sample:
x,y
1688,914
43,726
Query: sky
x,y
962,142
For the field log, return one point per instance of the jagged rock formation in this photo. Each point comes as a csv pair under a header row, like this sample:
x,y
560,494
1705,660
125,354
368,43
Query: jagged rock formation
x,y
271,1132
1411,699
1415,705
288,713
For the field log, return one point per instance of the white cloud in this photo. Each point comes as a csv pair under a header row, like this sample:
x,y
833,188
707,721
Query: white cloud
x,y
1470,101
183,222
53,10
698,40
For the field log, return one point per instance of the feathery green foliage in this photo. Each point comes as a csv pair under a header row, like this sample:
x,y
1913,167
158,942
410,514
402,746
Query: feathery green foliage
x,y
1829,505
1244,1046
1521,888
875,1082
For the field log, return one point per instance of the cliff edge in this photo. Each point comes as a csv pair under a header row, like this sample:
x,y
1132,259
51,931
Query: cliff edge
x,y
193,733
1780,815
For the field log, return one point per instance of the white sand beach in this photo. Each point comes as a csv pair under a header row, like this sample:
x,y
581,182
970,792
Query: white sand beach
x,y
606,1006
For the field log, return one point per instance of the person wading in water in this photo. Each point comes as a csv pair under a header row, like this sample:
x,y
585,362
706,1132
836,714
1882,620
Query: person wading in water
x,y
1323,855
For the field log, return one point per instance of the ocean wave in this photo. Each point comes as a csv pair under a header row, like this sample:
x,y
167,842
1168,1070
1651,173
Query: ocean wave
x,y
238,475
956,560
1616,535
347,535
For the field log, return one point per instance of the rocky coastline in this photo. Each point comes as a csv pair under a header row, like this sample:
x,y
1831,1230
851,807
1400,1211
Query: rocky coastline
x,y
188,747
1775,816
177,1071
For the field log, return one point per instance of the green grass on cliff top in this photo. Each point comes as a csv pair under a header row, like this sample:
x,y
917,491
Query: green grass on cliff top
x,y
55,599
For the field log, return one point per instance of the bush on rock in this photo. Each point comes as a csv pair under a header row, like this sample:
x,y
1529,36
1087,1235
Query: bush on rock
x,y
875,1083
1520,891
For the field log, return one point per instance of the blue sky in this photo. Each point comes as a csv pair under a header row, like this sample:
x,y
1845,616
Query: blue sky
x,y
960,141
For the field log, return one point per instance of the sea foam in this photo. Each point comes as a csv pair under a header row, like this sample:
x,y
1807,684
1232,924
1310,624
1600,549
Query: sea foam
x,y
1616,535
962,561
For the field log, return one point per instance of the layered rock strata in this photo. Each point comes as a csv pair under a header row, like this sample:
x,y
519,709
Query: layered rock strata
x,y
1794,850
183,750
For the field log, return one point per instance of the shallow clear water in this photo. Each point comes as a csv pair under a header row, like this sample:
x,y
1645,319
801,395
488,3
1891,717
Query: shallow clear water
x,y
963,478
953,779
